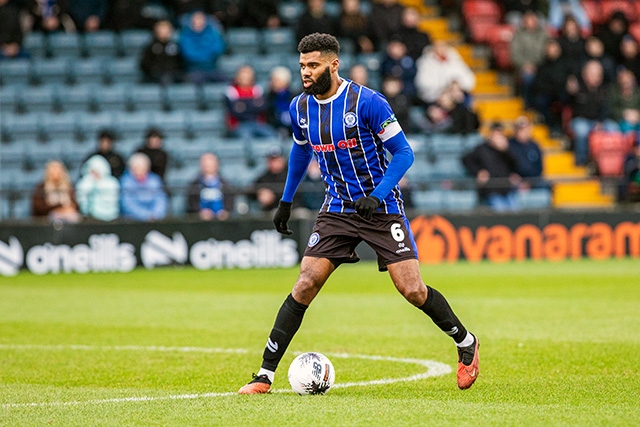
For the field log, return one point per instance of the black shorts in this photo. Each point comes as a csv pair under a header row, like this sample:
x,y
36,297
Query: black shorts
x,y
336,235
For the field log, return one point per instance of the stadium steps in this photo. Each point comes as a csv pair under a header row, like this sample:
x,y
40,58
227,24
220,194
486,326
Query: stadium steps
x,y
583,194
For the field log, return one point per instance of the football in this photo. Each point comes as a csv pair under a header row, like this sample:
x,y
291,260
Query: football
x,y
311,373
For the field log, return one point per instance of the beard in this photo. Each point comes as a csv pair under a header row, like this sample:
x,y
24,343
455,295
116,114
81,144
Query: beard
x,y
321,85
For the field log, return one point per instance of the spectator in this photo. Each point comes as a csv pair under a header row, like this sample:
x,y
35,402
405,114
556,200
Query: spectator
x,y
153,149
142,192
270,185
612,33
48,16
10,31
450,114
247,107
630,55
560,10
98,191
438,67
315,19
278,100
54,196
88,15
527,52
594,50
392,89
355,26
208,194
625,102
409,34
359,74
105,149
495,170
201,44
161,61
260,14
631,175
386,19
397,63
572,44
527,154
312,189
590,106
549,84
516,9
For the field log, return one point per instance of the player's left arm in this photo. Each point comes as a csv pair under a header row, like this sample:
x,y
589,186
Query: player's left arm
x,y
402,160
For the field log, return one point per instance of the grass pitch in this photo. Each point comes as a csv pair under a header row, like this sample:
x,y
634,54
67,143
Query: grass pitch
x,y
169,347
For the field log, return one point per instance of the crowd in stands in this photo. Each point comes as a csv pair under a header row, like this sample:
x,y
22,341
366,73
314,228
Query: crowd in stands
x,y
563,63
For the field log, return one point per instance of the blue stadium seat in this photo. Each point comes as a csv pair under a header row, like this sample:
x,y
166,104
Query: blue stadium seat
x,y
101,43
131,124
229,64
125,70
133,42
279,40
290,11
60,126
238,174
90,70
183,154
48,71
182,97
74,153
12,156
8,99
172,123
15,72
243,40
460,200
35,45
34,99
127,146
446,145
207,123
18,127
421,171
89,124
27,180
112,98
230,150
419,144
39,154
213,95
472,140
148,97
76,98
263,64
68,45
535,198
428,200
449,168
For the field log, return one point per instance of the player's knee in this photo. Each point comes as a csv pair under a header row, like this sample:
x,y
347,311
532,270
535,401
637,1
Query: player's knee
x,y
415,294
305,289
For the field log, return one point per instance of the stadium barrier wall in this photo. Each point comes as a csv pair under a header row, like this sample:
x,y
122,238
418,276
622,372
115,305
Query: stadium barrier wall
x,y
121,247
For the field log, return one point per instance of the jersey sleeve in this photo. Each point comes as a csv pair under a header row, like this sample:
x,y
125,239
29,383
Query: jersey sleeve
x,y
381,118
298,135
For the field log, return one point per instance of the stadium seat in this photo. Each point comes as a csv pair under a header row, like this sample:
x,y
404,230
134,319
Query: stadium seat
x,y
279,40
229,150
125,70
68,45
112,97
428,200
460,200
133,42
147,97
74,153
90,70
536,198
18,127
34,99
60,126
634,29
609,150
206,124
290,11
229,64
34,44
419,144
89,124
48,71
472,140
8,98
131,124
182,97
173,123
448,168
213,95
499,39
480,16
11,157
15,72
421,171
445,145
40,153
184,155
263,64
628,7
101,44
76,98
243,40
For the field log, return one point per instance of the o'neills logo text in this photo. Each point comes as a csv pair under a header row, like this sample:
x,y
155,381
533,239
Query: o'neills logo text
x,y
440,241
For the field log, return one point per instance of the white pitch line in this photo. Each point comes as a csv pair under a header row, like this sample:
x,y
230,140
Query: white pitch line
x,y
434,369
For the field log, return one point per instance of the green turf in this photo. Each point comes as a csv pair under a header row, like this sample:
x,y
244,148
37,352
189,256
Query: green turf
x,y
560,346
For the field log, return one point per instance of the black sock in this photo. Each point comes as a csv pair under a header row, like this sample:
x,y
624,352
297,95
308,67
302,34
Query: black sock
x,y
438,309
287,323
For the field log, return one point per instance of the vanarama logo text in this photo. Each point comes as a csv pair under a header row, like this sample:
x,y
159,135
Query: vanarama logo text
x,y
438,241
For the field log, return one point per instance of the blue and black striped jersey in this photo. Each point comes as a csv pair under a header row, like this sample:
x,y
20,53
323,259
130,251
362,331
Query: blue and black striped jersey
x,y
347,133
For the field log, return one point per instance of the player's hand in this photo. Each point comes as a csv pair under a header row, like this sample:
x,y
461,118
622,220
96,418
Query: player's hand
x,y
366,205
281,217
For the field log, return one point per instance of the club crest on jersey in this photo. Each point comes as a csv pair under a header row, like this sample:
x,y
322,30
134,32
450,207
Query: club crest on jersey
x,y
350,119
303,122
386,123
313,240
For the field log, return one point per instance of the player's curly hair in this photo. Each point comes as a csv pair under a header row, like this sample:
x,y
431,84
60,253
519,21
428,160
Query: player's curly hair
x,y
319,42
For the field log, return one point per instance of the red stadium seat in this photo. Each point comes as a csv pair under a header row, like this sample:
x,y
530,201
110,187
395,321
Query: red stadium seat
x,y
594,11
480,16
634,30
628,7
609,149
499,39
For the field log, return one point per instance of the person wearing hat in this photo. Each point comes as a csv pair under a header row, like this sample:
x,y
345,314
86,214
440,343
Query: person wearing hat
x,y
269,186
152,147
105,149
527,153
495,170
